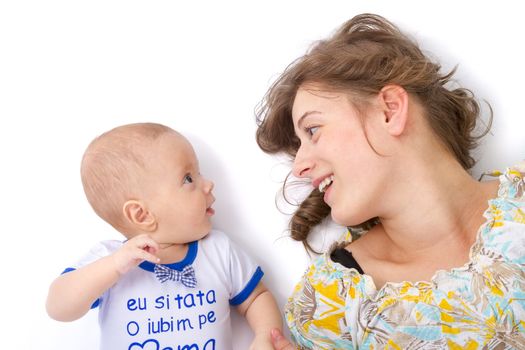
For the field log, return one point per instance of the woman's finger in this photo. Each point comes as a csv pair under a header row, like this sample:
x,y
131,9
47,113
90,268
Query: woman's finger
x,y
279,342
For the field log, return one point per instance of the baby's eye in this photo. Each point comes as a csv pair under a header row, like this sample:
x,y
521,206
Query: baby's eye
x,y
311,130
188,179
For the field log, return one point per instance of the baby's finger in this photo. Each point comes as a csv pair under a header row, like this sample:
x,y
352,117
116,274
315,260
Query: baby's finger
x,y
147,243
151,250
144,255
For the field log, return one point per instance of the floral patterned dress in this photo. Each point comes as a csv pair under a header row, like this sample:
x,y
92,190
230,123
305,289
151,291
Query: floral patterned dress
x,y
478,306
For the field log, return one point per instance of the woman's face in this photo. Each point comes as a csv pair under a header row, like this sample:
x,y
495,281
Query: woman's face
x,y
336,155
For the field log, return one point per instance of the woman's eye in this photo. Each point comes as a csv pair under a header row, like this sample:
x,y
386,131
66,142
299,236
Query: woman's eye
x,y
188,179
312,130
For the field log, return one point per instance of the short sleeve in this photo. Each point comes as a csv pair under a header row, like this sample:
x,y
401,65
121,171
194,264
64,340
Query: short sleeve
x,y
98,251
245,274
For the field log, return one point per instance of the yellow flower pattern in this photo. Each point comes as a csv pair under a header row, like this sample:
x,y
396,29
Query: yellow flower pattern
x,y
478,306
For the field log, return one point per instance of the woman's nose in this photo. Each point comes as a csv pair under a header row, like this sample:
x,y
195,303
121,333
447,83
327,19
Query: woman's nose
x,y
301,164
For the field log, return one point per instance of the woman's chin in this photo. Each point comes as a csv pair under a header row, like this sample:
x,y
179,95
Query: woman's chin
x,y
339,219
345,218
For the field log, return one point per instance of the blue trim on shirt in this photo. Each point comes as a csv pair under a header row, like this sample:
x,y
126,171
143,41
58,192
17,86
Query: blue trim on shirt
x,y
245,293
188,260
96,303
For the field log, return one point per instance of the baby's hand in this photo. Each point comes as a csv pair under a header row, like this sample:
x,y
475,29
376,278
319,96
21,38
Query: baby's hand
x,y
135,251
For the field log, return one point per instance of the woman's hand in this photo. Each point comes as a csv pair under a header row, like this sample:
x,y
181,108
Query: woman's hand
x,y
261,343
279,342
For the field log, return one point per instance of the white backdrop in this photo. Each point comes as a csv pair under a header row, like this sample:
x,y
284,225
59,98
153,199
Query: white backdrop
x,y
70,70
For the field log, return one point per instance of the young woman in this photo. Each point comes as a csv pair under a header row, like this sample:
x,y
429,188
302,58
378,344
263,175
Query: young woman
x,y
385,141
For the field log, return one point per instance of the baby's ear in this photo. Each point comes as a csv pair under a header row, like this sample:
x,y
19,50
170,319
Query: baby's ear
x,y
139,216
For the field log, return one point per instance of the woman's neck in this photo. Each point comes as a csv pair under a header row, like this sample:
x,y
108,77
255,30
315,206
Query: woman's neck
x,y
438,206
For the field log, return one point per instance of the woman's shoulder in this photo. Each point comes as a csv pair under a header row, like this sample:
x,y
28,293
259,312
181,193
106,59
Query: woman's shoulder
x,y
316,310
502,237
506,212
324,272
330,278
512,182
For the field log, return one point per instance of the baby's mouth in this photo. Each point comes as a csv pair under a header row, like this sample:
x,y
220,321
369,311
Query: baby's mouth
x,y
326,183
210,211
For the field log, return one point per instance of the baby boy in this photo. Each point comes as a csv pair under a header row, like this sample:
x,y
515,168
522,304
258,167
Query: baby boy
x,y
170,284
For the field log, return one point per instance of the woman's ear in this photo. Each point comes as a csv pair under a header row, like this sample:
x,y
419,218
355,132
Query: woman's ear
x,y
139,216
394,102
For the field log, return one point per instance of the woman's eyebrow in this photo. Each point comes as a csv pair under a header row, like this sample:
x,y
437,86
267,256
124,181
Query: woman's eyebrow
x,y
306,114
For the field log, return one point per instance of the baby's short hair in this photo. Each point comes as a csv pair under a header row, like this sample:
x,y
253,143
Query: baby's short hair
x,y
112,166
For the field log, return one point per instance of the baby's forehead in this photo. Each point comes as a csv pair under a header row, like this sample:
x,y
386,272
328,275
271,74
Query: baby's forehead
x,y
174,148
175,142
137,146
141,140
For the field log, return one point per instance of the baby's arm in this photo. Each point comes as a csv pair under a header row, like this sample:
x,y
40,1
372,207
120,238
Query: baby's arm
x,y
263,315
72,294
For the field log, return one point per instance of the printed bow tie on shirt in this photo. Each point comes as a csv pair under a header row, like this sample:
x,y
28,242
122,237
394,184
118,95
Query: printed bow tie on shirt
x,y
186,276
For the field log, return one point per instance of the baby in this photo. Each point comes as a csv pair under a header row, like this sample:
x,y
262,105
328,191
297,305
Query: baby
x,y
170,284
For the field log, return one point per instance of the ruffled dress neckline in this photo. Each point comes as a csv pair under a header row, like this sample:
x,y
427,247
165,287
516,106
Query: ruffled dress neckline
x,y
443,274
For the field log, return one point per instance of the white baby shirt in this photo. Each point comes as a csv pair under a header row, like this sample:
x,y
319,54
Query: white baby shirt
x,y
140,312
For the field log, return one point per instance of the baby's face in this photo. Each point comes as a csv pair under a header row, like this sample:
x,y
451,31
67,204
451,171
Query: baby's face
x,y
175,191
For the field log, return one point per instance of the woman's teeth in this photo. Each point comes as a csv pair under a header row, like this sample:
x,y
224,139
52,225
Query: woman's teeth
x,y
325,183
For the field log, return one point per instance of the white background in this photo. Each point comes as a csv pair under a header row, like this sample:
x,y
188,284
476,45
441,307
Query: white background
x,y
70,70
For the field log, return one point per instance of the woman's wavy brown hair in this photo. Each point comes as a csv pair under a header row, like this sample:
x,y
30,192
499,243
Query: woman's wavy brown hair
x,y
365,54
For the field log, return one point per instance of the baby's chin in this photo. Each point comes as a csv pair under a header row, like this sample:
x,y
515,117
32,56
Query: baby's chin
x,y
204,233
